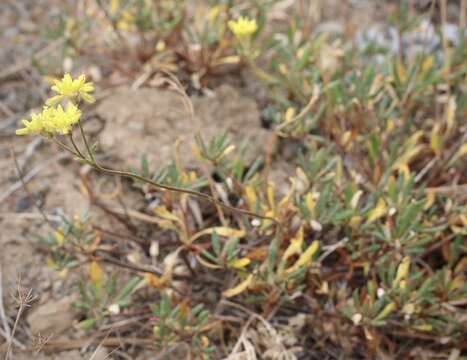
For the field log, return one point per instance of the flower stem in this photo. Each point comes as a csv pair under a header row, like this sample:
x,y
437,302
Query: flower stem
x,y
70,136
195,193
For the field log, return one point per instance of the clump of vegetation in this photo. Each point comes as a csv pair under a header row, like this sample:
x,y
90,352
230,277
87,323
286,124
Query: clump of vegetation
x,y
366,247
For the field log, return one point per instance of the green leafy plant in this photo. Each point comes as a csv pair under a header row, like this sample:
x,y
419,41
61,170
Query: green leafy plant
x,y
365,233
181,323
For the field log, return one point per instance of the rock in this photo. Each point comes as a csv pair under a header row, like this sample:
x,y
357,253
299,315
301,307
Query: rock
x,y
149,121
52,317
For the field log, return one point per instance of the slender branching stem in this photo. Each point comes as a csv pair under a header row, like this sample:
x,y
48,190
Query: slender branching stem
x,y
70,136
127,174
66,148
86,144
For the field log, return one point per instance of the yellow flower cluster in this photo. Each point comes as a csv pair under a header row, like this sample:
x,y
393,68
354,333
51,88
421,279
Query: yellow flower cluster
x,y
56,118
73,89
243,26
51,120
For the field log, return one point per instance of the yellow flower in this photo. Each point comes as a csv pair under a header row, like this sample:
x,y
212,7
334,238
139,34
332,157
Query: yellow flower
x,y
60,120
51,120
243,26
67,87
35,126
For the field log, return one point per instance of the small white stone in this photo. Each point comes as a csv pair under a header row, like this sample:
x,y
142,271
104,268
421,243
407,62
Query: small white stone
x,y
255,222
380,292
114,309
357,318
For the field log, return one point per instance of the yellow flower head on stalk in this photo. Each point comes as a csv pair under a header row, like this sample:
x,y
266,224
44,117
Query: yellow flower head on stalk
x,y
61,120
51,120
72,89
243,26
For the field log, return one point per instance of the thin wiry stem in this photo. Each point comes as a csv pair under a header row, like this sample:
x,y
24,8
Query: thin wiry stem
x,y
195,193
70,136
86,144
66,148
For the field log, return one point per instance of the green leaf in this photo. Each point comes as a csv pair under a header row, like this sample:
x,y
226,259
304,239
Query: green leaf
x,y
127,290
144,166
165,306
406,219
272,255
216,244
231,248
87,324
110,286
